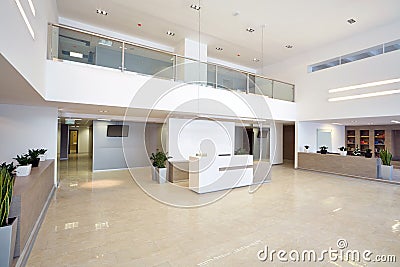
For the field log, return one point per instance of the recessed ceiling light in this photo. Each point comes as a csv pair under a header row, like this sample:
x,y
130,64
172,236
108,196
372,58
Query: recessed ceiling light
x,y
351,21
336,123
170,33
32,7
219,48
75,54
256,59
195,7
289,46
364,85
350,97
395,121
250,29
102,12
236,13
103,120
103,111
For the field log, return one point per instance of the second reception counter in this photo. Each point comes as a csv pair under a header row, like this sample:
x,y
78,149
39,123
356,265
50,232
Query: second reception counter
x,y
209,174
344,165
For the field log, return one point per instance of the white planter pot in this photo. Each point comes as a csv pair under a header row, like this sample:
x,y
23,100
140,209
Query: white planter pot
x,y
343,153
305,150
161,175
43,157
386,172
7,243
24,170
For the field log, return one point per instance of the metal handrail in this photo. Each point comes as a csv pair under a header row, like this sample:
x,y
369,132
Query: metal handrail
x,y
161,51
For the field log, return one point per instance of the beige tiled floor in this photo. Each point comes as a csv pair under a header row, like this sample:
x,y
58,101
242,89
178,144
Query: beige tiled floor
x,y
104,219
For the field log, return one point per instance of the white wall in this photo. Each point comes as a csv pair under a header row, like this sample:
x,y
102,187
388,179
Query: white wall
x,y
25,127
26,54
120,153
81,83
307,135
312,88
188,137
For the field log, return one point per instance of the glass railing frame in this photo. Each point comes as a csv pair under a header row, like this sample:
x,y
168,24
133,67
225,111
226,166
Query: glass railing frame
x,y
50,56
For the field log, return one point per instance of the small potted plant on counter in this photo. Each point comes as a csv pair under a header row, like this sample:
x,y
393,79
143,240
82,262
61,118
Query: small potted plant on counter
x,y
343,151
368,153
8,226
386,169
42,154
306,147
357,151
24,165
324,149
34,157
160,170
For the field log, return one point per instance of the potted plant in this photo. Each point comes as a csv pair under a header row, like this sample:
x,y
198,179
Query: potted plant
x,y
368,153
357,151
324,149
34,157
24,165
42,154
306,147
160,171
343,151
386,169
8,226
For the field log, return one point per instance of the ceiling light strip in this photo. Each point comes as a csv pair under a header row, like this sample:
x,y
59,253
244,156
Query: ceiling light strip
x,y
32,7
23,14
365,85
395,121
383,93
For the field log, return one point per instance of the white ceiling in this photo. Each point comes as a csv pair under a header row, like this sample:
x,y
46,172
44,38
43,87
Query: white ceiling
x,y
305,24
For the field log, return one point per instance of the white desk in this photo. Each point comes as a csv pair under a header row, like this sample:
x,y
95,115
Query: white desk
x,y
223,172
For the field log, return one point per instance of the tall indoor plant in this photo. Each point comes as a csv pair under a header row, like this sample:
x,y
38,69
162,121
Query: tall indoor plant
x,y
160,171
8,226
386,169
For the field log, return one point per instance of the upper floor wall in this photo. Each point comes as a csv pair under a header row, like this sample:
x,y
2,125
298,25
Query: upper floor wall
x,y
24,37
314,96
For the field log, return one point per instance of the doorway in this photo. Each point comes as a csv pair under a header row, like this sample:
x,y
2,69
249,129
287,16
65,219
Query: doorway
x,y
73,142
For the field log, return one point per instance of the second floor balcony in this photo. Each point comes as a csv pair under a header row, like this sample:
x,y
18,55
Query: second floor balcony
x,y
70,44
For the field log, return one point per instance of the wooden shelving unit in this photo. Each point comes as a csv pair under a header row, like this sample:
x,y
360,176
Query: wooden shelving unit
x,y
351,140
364,140
379,141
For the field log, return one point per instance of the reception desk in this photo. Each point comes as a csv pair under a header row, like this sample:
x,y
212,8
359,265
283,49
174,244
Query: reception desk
x,y
223,172
343,165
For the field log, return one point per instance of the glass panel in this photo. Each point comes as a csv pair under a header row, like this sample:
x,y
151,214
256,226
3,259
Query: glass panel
x,y
283,91
392,46
149,62
192,71
231,79
88,49
370,52
211,75
243,140
263,86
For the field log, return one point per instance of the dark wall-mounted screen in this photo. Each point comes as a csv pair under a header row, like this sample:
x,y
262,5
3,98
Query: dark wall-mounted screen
x,y
117,130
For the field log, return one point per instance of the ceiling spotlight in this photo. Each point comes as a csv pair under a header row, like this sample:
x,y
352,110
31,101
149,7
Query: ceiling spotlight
x,y
289,46
256,59
195,7
102,12
250,29
351,21
236,13
219,48
170,33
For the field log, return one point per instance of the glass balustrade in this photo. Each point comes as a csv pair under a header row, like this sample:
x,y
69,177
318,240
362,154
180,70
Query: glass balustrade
x,y
70,44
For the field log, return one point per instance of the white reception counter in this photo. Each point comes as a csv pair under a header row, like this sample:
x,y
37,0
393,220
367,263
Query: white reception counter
x,y
223,172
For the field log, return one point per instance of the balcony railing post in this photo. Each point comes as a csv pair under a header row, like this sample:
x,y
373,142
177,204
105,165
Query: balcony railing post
x,y
175,68
216,76
248,84
123,57
272,89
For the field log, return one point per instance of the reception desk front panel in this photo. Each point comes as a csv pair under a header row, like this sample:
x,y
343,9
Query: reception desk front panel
x,y
220,173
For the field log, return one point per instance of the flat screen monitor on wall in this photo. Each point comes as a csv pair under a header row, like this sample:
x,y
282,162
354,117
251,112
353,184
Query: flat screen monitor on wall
x,y
117,130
